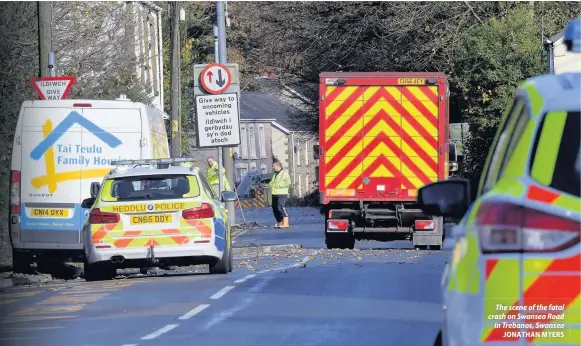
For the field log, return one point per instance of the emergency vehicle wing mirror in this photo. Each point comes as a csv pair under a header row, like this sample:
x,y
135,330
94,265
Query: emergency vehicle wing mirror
x,y
448,198
95,186
88,203
315,152
452,154
229,196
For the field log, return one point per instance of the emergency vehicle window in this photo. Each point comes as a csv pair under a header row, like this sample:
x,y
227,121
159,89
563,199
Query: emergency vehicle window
x,y
566,171
207,187
154,187
519,128
500,148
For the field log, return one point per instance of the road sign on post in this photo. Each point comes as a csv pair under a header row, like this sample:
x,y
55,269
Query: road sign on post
x,y
215,78
218,120
52,88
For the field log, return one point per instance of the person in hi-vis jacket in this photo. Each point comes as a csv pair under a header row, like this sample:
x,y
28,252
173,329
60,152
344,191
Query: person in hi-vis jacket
x,y
214,178
279,185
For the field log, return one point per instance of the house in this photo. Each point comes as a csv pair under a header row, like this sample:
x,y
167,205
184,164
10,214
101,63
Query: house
x,y
266,133
561,60
98,40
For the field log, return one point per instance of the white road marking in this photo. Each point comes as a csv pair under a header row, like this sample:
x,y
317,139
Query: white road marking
x,y
194,312
239,305
247,277
222,292
130,345
160,332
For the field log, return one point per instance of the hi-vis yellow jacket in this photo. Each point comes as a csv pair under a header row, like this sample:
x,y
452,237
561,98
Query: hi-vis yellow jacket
x,y
280,183
214,178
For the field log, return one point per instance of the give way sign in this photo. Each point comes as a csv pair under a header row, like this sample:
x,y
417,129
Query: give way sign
x,y
216,78
52,88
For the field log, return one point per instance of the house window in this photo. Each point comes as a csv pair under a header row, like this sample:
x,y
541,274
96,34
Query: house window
x,y
298,152
241,173
262,141
299,185
243,142
252,142
306,153
307,183
253,167
263,169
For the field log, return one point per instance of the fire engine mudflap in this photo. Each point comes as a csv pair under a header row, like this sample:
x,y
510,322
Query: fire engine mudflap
x,y
383,222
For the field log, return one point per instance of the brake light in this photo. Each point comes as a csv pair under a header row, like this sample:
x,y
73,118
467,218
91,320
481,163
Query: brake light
x,y
507,227
424,225
205,211
339,225
96,216
15,192
82,105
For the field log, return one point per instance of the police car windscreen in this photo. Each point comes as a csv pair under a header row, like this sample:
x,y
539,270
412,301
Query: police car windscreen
x,y
155,187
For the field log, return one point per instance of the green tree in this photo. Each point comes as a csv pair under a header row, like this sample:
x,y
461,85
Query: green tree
x,y
492,59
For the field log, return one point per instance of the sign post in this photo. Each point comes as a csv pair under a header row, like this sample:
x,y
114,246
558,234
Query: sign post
x,y
52,88
217,97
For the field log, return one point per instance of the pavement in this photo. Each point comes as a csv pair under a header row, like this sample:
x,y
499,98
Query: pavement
x,y
286,289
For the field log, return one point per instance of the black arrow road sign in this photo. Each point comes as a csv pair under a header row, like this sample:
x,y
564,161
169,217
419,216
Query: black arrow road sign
x,y
220,81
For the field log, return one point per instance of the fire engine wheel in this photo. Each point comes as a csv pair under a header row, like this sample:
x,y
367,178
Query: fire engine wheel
x,y
340,241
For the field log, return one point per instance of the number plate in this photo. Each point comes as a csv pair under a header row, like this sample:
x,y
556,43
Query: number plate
x,y
51,213
411,81
151,219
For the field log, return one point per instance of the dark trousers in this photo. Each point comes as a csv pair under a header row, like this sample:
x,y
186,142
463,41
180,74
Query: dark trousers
x,y
278,202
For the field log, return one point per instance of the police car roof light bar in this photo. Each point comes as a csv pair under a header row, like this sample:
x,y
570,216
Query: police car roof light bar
x,y
572,35
151,162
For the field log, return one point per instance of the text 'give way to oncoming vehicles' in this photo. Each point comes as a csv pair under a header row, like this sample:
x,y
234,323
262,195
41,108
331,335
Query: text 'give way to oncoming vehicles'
x,y
217,109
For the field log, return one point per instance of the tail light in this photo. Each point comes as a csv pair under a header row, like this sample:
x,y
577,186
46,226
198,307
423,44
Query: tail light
x,y
96,216
424,225
15,192
205,211
337,225
507,227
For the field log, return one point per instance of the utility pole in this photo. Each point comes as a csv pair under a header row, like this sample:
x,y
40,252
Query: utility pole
x,y
44,37
175,56
223,59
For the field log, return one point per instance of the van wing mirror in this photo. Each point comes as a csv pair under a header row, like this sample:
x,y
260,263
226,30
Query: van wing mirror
x,y
315,152
95,186
448,198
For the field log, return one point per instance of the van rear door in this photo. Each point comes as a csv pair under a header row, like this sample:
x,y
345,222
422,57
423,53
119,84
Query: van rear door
x,y
114,134
50,196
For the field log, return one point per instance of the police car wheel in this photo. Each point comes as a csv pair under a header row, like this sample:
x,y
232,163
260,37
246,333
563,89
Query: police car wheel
x,y
230,261
223,265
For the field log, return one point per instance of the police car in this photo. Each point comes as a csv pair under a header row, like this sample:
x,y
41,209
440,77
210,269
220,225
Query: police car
x,y
515,273
155,213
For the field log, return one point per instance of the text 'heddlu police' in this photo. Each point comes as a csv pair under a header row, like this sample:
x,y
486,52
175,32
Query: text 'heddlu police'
x,y
74,154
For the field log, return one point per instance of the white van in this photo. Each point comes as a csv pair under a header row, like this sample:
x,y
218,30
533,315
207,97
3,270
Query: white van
x,y
60,147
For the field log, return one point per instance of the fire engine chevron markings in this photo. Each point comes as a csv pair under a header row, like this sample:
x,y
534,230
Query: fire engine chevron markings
x,y
381,138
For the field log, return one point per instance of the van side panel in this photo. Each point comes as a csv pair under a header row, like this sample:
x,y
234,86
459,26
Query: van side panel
x,y
50,169
159,141
116,136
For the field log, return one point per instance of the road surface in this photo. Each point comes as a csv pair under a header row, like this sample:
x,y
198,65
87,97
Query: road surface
x,y
373,295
